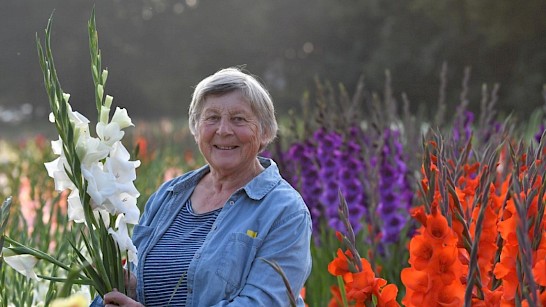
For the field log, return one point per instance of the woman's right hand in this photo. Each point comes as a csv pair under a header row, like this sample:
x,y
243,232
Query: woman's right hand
x,y
116,298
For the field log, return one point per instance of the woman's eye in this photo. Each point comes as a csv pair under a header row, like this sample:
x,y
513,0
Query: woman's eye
x,y
238,119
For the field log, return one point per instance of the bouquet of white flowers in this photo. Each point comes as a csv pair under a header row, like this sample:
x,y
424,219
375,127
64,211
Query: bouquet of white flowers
x,y
98,171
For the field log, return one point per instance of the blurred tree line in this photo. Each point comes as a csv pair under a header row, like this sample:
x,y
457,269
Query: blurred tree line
x,y
157,50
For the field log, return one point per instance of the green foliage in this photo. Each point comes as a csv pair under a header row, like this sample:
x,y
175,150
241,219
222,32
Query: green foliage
x,y
322,252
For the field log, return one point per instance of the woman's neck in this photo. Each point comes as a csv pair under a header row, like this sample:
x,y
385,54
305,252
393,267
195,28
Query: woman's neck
x,y
222,182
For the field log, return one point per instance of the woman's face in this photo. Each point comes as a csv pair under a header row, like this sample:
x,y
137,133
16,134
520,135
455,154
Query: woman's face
x,y
228,133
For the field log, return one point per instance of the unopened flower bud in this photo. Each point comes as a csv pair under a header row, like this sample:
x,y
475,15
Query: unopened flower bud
x,y
66,97
104,76
108,101
104,114
100,91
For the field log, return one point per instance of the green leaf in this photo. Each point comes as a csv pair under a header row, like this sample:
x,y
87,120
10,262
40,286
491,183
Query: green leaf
x,y
4,215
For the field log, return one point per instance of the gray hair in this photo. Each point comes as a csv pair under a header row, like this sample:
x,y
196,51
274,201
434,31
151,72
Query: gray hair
x,y
232,79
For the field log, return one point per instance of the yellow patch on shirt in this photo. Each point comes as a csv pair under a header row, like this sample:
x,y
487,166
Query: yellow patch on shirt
x,y
251,233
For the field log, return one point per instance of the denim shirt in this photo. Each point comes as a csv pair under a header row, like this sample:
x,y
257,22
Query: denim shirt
x,y
267,219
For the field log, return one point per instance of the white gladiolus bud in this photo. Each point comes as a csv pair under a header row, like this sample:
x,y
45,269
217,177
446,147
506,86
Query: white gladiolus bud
x,y
66,97
104,75
108,101
100,91
104,114
51,117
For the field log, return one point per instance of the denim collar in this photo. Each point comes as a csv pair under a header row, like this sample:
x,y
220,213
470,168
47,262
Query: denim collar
x,y
256,189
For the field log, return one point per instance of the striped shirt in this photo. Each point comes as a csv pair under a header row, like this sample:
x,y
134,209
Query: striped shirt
x,y
166,265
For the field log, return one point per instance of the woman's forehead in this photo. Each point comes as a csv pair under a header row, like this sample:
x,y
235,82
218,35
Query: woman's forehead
x,y
227,103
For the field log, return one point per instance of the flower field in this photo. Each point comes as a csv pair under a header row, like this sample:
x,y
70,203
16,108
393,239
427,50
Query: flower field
x,y
407,209
450,216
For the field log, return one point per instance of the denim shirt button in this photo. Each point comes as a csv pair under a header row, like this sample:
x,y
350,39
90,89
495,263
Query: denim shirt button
x,y
197,255
189,290
231,202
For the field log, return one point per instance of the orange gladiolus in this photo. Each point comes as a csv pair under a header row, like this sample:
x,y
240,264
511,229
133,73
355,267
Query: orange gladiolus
x,y
340,266
438,230
452,295
421,252
440,251
336,300
436,272
387,297
360,287
539,270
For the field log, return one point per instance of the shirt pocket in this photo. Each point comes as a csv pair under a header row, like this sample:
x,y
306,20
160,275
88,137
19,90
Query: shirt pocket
x,y
237,258
141,233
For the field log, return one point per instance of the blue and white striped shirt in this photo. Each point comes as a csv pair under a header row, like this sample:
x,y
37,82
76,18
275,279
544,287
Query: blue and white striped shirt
x,y
164,274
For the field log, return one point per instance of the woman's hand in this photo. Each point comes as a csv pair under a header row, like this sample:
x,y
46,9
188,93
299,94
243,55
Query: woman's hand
x,y
116,298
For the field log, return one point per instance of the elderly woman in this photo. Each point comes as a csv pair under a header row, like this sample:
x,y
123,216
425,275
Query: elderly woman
x,y
203,235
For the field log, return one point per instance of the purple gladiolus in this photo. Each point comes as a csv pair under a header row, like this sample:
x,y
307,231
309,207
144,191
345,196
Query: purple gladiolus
x,y
538,136
331,161
462,127
394,189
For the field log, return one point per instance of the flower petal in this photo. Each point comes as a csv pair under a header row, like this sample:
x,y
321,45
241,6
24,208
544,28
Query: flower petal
x,y
75,207
122,118
121,236
23,264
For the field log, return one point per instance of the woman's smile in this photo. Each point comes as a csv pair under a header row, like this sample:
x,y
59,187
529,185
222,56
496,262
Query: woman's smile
x,y
228,134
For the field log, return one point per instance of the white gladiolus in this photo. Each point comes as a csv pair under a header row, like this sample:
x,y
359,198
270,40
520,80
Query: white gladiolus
x,y
90,150
41,289
121,236
124,203
56,170
127,187
57,146
118,163
97,170
75,207
100,184
104,215
23,264
78,119
109,133
121,118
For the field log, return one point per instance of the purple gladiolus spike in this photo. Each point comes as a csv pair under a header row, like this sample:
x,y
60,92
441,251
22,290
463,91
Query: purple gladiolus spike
x,y
538,136
394,200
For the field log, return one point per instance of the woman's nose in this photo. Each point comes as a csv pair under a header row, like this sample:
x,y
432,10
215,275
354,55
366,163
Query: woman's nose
x,y
224,127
